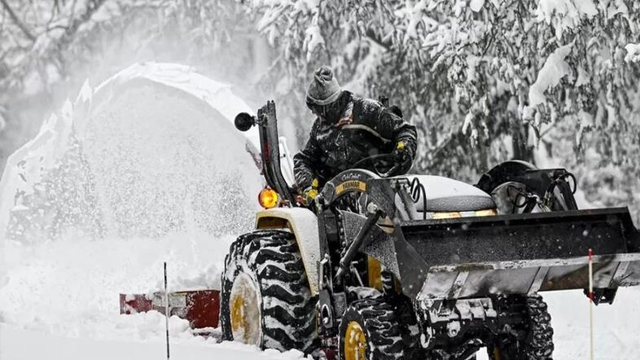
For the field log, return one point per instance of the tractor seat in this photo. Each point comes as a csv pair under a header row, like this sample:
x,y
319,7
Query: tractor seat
x,y
448,195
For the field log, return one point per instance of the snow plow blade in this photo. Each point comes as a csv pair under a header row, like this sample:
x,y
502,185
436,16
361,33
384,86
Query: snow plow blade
x,y
521,254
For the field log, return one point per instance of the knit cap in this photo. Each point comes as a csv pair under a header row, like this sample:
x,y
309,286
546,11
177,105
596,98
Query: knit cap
x,y
324,88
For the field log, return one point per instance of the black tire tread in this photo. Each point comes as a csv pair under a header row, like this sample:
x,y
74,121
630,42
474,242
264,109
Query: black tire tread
x,y
383,330
538,344
288,309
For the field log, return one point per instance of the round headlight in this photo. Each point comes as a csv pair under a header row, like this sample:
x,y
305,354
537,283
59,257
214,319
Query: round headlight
x,y
268,198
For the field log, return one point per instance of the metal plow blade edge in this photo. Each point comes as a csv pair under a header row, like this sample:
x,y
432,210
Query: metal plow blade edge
x,y
524,253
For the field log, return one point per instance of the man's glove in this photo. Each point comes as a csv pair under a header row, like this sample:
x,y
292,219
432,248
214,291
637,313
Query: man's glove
x,y
401,153
309,194
403,157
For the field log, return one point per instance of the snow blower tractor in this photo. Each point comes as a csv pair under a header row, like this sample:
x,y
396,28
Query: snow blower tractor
x,y
417,267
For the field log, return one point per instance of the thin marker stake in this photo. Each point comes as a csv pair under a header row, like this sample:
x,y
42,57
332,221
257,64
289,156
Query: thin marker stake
x,y
166,309
591,303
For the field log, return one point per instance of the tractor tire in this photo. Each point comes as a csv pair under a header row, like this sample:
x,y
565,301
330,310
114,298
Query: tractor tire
x,y
265,299
370,330
538,343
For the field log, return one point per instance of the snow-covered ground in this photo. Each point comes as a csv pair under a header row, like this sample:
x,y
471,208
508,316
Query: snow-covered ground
x,y
61,299
21,344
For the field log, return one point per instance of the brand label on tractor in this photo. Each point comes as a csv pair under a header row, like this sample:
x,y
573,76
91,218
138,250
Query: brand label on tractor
x,y
352,184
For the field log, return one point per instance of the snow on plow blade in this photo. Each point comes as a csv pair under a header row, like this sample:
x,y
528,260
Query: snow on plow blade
x,y
524,253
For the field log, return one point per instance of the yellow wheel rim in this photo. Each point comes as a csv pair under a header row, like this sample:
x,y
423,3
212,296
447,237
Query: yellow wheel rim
x,y
355,342
244,310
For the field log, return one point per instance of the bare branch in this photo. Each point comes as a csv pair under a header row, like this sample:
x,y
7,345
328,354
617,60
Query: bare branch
x,y
17,21
53,52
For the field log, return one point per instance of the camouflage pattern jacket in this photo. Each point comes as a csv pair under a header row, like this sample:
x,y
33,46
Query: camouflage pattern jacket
x,y
365,128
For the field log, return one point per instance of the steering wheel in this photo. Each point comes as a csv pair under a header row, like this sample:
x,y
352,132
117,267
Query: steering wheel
x,y
375,161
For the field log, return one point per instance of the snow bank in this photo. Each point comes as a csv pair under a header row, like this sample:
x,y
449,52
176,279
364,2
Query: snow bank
x,y
70,287
62,298
21,344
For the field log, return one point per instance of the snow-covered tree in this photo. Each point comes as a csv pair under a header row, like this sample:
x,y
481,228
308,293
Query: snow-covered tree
x,y
490,70
484,81
49,48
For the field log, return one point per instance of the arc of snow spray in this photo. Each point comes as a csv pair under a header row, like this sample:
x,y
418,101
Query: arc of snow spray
x,y
591,304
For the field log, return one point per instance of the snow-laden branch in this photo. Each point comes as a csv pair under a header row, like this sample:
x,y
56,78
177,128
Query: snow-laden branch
x,y
17,21
554,69
42,63
633,53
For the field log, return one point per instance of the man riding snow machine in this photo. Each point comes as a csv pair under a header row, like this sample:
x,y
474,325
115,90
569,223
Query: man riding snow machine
x,y
417,267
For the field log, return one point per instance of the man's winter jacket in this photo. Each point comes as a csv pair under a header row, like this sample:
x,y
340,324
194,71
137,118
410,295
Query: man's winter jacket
x,y
365,128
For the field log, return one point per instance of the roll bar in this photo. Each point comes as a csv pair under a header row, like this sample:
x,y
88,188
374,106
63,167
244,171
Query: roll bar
x,y
267,123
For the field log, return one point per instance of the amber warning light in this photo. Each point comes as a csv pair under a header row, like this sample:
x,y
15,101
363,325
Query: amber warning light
x,y
268,198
